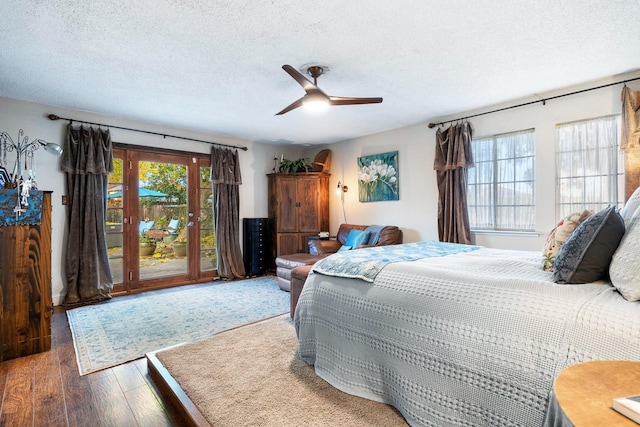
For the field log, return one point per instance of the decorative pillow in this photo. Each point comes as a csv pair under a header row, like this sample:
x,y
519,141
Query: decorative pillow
x,y
625,264
344,248
559,235
586,255
357,238
631,206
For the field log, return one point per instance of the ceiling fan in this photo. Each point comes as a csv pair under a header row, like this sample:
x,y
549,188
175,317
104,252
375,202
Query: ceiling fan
x,y
315,98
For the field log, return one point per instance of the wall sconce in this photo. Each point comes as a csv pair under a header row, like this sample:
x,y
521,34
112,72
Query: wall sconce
x,y
341,189
24,153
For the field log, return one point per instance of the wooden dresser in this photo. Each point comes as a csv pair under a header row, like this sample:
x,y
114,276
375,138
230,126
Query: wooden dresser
x,y
25,280
298,208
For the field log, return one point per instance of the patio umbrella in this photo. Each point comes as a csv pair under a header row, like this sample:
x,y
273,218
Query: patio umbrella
x,y
142,192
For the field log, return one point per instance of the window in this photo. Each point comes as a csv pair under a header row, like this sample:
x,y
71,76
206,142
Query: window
x,y
500,188
589,165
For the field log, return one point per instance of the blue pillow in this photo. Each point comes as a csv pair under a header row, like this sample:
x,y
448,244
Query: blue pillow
x,y
357,238
586,255
344,248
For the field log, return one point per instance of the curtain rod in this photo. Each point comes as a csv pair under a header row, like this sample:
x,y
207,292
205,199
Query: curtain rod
x,y
54,117
543,100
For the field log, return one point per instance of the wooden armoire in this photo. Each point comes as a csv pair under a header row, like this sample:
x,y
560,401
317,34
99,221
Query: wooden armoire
x,y
298,209
25,286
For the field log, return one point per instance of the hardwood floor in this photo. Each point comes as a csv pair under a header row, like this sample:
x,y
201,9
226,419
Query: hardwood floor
x,y
45,390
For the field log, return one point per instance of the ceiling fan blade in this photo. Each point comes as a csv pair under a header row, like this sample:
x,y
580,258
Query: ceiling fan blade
x,y
339,100
293,106
302,80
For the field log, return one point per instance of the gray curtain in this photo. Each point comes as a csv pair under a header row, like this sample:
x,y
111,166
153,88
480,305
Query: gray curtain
x,y
453,157
225,175
87,161
630,119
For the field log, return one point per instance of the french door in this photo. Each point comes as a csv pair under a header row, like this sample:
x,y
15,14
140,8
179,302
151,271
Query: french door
x,y
160,226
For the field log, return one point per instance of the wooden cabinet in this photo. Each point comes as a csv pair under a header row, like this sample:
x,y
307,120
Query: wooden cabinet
x,y
298,208
25,282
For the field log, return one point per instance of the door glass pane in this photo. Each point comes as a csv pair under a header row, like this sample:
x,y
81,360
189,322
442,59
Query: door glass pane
x,y
114,221
162,199
208,257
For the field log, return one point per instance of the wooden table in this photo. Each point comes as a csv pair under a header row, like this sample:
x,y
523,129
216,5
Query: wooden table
x,y
156,234
585,392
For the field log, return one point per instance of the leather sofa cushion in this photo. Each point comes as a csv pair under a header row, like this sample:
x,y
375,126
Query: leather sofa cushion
x,y
344,230
390,235
298,277
296,260
284,272
301,273
321,247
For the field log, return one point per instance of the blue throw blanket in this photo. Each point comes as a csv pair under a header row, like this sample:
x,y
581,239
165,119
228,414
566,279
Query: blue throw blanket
x,y
374,233
366,263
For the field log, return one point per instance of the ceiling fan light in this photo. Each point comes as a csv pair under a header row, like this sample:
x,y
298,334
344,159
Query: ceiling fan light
x,y
315,103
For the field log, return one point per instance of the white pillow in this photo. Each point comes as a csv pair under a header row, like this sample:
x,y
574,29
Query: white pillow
x,y
631,206
624,269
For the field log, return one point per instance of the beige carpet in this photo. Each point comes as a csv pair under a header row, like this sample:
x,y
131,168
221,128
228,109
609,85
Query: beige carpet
x,y
250,376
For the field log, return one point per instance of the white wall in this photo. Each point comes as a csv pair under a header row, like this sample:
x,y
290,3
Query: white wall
x,y
416,211
31,117
417,208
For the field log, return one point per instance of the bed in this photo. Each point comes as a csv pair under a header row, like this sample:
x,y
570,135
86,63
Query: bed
x,y
456,335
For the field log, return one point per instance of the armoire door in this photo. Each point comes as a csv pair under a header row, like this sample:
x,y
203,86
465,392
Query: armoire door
x,y
288,201
307,207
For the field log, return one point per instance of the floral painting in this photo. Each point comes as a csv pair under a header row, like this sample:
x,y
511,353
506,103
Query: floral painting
x,y
378,177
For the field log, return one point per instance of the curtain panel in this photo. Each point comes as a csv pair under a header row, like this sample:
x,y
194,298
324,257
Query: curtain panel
x,y
453,157
87,162
226,179
630,119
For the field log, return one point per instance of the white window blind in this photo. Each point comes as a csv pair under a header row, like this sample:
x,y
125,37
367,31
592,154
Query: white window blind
x,y
501,186
589,165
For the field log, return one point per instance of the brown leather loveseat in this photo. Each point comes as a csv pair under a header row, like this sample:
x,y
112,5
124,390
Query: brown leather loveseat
x,y
318,249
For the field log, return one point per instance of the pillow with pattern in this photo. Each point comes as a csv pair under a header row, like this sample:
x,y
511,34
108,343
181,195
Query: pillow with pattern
x,y
559,235
586,255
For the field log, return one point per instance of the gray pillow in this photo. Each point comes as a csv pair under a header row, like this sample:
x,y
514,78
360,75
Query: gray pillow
x,y
586,255
625,264
630,206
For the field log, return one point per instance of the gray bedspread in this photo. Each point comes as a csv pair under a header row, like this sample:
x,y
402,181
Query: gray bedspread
x,y
470,339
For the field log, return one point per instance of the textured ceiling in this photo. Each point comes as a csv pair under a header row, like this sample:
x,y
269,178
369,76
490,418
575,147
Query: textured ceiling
x,y
215,66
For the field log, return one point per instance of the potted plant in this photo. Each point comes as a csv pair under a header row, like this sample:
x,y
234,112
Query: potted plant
x,y
169,238
179,244
295,166
147,245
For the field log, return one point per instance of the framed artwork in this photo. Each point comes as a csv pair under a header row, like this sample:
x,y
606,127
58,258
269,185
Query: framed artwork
x,y
378,177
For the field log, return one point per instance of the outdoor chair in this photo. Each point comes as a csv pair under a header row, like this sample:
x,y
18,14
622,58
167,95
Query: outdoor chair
x,y
172,228
145,226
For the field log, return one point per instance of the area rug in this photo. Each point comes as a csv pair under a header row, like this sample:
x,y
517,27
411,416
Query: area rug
x,y
126,328
250,376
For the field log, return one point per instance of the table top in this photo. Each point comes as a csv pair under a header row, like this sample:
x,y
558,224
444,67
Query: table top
x,y
156,234
585,392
